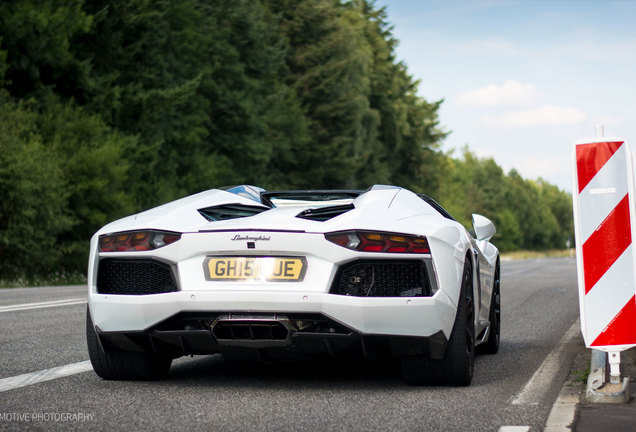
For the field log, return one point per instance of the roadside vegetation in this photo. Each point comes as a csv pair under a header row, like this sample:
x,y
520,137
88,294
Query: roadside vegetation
x,y
524,254
51,279
108,108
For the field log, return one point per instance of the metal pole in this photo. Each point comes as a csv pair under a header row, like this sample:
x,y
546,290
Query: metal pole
x,y
614,358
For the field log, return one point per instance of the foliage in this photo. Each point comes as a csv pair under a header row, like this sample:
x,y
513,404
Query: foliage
x,y
92,162
109,108
37,36
531,215
33,190
52,278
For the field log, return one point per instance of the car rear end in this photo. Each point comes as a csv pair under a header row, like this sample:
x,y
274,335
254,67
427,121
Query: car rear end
x,y
278,287
269,294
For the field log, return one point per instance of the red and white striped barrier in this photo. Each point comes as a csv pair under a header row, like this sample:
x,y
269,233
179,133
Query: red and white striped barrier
x,y
603,203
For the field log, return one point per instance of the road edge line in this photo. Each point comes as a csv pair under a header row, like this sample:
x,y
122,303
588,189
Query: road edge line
x,y
547,370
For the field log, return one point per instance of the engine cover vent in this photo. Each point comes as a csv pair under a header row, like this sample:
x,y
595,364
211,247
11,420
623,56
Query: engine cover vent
x,y
322,214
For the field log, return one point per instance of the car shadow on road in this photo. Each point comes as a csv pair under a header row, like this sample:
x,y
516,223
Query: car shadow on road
x,y
333,373
327,373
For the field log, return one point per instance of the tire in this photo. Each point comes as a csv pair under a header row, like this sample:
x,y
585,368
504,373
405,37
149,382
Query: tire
x,y
457,366
491,345
123,365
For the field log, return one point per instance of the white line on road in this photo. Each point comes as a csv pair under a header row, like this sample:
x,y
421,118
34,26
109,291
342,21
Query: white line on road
x,y
44,375
514,429
41,305
513,272
543,379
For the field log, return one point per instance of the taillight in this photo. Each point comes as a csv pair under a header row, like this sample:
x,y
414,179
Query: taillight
x,y
375,241
136,240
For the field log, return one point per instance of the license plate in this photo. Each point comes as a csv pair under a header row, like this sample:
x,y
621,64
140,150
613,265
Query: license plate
x,y
272,269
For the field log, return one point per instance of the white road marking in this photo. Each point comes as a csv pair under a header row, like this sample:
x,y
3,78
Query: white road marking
x,y
514,429
542,380
44,375
512,272
41,305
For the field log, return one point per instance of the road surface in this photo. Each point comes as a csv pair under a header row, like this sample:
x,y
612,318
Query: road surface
x,y
46,383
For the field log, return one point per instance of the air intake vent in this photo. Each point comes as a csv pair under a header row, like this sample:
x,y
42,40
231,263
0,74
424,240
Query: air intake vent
x,y
134,277
382,279
230,211
322,214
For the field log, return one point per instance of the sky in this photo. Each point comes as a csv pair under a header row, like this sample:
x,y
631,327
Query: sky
x,y
522,80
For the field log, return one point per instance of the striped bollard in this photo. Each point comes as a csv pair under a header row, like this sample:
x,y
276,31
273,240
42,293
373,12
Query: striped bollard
x,y
603,203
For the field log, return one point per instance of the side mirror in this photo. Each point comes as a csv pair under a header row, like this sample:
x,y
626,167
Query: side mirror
x,y
484,228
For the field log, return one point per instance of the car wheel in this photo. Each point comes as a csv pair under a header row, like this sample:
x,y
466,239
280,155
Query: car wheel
x,y
123,365
491,346
457,366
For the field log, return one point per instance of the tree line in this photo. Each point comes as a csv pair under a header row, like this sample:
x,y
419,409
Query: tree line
x,y
107,108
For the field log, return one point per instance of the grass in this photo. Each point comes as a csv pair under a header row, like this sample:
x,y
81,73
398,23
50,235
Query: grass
x,y
579,373
519,255
54,279
579,377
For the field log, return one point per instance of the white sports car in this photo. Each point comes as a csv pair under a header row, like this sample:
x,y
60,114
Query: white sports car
x,y
275,275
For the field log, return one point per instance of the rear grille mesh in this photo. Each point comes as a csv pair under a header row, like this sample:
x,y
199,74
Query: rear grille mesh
x,y
382,279
134,277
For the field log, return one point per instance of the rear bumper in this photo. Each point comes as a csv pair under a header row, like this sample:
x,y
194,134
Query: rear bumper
x,y
267,337
405,316
364,325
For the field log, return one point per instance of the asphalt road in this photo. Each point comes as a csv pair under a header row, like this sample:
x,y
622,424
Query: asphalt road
x,y
511,388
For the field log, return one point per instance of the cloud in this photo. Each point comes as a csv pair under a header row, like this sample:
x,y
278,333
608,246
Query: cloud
x,y
547,115
511,93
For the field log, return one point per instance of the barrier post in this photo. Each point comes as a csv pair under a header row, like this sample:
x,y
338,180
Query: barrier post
x,y
604,225
615,367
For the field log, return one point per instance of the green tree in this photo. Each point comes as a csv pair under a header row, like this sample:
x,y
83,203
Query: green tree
x,y
33,208
538,224
404,150
199,83
90,156
528,214
37,37
560,205
328,60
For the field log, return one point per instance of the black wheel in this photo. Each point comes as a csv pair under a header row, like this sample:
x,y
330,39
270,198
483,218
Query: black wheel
x,y
491,346
123,365
457,366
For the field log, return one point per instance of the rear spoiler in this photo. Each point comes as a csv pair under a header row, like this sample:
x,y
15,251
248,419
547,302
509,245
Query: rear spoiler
x,y
309,195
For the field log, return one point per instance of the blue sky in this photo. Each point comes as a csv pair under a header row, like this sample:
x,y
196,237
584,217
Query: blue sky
x,y
523,80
